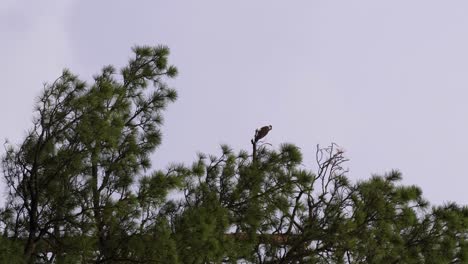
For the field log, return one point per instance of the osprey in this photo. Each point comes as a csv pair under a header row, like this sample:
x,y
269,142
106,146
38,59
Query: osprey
x,y
262,132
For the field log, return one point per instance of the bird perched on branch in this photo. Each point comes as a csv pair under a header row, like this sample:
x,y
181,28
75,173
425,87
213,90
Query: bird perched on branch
x,y
262,132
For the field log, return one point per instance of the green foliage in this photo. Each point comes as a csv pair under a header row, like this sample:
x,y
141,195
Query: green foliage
x,y
9,251
73,174
79,191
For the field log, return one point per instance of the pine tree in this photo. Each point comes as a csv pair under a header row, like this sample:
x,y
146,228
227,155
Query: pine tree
x,y
119,130
72,175
80,191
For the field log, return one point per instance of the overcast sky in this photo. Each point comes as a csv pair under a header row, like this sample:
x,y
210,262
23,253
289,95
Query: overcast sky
x,y
386,80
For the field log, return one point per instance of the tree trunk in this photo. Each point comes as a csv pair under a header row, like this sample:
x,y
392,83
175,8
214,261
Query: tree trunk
x,y
97,208
30,246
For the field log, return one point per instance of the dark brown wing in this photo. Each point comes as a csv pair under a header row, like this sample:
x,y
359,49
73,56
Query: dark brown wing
x,y
262,132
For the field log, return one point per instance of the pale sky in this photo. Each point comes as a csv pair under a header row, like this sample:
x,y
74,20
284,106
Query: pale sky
x,y
386,80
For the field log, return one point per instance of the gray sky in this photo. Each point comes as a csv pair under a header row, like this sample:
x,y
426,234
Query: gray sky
x,y
386,80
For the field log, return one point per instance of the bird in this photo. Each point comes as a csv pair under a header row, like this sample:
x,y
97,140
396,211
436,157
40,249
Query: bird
x,y
262,132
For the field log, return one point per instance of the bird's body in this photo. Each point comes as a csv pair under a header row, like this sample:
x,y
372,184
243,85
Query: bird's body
x,y
262,132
